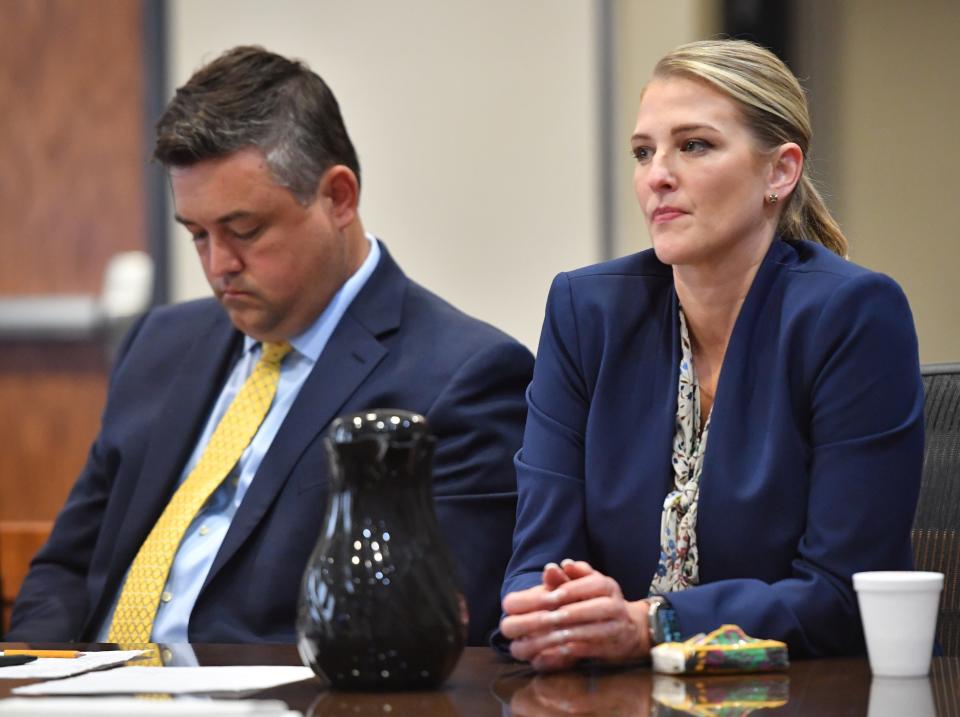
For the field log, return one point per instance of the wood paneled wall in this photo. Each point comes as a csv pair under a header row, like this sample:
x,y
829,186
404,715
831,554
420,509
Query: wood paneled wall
x,y
71,141
71,195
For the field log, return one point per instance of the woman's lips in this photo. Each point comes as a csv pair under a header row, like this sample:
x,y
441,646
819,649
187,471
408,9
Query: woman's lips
x,y
666,214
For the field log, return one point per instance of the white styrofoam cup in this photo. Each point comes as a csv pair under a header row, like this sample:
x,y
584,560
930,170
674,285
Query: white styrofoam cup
x,y
899,613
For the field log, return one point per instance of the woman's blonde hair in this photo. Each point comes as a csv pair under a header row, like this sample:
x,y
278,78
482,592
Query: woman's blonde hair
x,y
774,107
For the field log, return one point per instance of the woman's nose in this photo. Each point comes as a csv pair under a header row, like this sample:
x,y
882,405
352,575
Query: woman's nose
x,y
660,175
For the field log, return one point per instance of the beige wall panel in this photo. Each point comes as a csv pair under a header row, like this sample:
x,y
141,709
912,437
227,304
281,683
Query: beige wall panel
x,y
897,178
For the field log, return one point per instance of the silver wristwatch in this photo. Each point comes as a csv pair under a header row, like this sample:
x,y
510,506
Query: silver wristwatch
x,y
661,620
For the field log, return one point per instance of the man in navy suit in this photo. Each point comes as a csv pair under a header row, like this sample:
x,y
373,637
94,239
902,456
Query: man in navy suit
x,y
267,182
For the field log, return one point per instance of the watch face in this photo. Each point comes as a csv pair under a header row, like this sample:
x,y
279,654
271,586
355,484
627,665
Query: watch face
x,y
667,630
658,627
662,621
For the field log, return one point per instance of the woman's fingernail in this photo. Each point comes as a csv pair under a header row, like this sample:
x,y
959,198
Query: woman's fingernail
x,y
566,561
557,616
555,596
551,565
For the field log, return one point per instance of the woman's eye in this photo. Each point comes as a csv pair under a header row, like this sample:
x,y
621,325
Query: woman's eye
x,y
641,154
695,145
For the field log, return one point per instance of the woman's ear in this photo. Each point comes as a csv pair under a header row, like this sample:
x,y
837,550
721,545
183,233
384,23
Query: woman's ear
x,y
340,191
786,169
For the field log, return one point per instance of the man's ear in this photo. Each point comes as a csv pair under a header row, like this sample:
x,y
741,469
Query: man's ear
x,y
786,169
340,191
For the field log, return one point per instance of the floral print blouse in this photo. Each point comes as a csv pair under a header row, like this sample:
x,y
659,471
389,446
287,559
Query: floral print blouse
x,y
678,566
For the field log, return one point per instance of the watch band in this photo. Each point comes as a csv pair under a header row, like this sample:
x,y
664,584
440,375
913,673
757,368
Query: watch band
x,y
661,621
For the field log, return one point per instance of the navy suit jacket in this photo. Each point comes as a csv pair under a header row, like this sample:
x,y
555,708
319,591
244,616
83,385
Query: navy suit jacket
x,y
397,346
813,464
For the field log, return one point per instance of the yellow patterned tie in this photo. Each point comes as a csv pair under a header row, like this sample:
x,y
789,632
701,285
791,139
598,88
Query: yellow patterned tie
x,y
137,606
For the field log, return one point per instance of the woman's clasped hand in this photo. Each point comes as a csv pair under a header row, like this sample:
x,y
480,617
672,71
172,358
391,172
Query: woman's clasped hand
x,y
575,613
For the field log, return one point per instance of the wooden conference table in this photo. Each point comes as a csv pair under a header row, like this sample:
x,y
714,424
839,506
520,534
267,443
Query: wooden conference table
x,y
484,684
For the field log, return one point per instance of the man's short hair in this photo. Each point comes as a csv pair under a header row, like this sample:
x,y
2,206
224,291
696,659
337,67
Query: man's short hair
x,y
249,97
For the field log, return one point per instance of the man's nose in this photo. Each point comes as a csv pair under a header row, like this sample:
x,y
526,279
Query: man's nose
x,y
222,258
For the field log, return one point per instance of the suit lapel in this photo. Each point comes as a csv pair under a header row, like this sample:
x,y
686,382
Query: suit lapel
x,y
352,353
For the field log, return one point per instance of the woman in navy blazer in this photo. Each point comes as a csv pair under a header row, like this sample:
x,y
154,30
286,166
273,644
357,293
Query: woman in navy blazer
x,y
675,490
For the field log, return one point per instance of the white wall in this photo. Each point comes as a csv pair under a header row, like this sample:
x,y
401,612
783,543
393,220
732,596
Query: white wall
x,y
899,156
884,80
476,124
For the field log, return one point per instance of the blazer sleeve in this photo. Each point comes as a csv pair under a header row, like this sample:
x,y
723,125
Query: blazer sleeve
x,y
52,603
865,427
550,466
478,420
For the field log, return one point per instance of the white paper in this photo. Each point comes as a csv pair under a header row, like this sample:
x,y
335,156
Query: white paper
x,y
99,706
172,680
48,668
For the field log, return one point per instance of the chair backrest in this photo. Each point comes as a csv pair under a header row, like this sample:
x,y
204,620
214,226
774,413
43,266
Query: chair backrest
x,y
936,526
19,541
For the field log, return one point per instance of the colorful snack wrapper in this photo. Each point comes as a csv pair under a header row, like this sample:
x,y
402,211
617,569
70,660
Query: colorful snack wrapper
x,y
728,649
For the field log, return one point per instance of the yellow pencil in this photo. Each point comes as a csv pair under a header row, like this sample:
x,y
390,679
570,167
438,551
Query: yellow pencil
x,y
44,653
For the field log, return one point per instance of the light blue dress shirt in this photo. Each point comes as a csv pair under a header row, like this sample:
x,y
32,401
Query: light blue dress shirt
x,y
206,533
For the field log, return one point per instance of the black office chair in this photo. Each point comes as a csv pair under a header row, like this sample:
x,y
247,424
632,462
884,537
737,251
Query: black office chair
x,y
936,526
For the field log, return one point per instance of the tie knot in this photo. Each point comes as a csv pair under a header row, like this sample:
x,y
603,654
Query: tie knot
x,y
273,353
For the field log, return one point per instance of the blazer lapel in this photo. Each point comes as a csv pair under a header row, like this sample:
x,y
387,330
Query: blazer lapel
x,y
352,353
755,334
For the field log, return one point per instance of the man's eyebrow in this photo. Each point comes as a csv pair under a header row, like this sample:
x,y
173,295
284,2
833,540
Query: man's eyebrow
x,y
225,219
680,129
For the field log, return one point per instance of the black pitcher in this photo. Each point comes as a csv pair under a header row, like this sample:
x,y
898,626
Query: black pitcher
x,y
379,605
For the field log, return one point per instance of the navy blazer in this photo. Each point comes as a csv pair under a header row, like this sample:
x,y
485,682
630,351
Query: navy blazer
x,y
812,469
397,346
